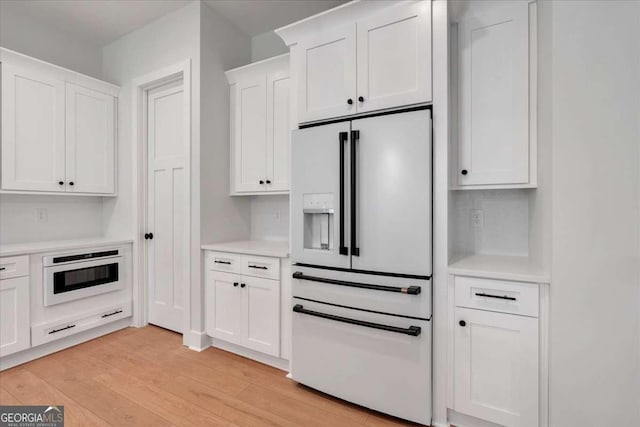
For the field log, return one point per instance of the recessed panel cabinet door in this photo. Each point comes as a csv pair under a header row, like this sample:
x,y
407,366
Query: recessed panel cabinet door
x,y
90,139
33,134
250,133
496,367
224,307
494,95
394,57
327,75
278,132
262,305
14,315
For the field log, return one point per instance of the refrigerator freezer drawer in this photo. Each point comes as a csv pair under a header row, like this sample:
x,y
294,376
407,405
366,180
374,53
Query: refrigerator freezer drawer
x,y
385,294
378,361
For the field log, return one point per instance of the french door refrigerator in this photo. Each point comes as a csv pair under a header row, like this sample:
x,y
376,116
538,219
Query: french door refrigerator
x,y
361,248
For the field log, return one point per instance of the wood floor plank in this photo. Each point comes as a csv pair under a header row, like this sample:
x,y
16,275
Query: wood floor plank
x,y
28,387
146,376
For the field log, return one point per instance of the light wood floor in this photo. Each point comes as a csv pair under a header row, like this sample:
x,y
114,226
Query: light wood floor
x,y
145,377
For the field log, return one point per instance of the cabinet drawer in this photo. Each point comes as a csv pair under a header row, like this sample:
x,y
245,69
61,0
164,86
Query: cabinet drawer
x,y
497,295
222,261
15,266
259,266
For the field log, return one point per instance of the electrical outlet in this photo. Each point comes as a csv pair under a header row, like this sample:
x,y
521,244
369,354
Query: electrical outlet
x,y
41,215
477,218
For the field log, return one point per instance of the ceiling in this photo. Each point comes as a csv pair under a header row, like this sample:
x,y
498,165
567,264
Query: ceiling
x,y
100,22
258,16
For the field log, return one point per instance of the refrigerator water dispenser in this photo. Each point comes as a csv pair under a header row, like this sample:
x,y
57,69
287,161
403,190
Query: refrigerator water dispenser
x,y
318,221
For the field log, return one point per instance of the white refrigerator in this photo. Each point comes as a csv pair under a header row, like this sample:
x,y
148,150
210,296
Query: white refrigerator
x,y
361,205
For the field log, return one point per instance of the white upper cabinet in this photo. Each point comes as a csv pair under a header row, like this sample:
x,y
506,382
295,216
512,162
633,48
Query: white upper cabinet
x,y
33,143
496,53
90,141
327,75
361,57
58,129
260,128
394,58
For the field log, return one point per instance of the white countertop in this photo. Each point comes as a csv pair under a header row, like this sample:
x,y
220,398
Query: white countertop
x,y
59,245
252,247
518,268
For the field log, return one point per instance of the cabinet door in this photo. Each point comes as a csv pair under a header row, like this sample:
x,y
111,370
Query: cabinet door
x,y
224,318
327,75
278,131
90,139
250,134
394,57
496,367
33,143
494,95
14,315
261,312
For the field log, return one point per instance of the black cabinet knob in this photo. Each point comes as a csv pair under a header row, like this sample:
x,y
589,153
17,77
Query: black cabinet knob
x,y
268,182
148,236
242,285
61,182
261,182
70,182
464,172
349,101
235,283
361,98
462,323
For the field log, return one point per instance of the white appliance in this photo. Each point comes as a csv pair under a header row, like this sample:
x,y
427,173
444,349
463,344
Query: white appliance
x,y
361,247
73,276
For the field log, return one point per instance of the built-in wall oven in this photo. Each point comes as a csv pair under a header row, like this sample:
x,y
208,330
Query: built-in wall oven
x,y
73,276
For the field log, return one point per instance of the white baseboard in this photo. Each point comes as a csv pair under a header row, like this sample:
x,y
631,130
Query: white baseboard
x,y
437,424
54,346
276,362
462,420
197,341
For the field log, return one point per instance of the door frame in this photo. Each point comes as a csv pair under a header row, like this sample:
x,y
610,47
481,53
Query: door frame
x,y
140,89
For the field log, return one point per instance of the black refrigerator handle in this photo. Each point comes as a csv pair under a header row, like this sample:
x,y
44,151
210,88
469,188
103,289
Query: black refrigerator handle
x,y
355,250
342,138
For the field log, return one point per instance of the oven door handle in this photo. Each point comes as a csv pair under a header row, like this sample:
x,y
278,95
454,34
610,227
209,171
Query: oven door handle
x,y
413,331
410,290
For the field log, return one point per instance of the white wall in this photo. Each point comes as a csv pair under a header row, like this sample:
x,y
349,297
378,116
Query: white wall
x,y
31,36
267,45
68,217
595,325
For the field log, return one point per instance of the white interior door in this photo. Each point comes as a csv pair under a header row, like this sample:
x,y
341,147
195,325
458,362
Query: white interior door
x,y
392,227
90,141
496,367
493,143
167,200
394,57
33,141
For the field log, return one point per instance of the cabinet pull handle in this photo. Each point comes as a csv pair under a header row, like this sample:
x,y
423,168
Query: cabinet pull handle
x,y
411,330
462,323
3,268
259,267
111,314
268,181
464,172
60,182
361,98
222,262
349,101
411,290
61,329
261,182
242,285
355,250
482,294
71,183
235,283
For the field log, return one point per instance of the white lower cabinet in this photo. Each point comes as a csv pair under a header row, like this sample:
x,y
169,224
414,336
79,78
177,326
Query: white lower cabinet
x,y
14,315
243,309
497,351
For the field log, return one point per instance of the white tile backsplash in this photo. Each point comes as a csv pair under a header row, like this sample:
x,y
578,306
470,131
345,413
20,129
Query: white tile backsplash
x,y
270,218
